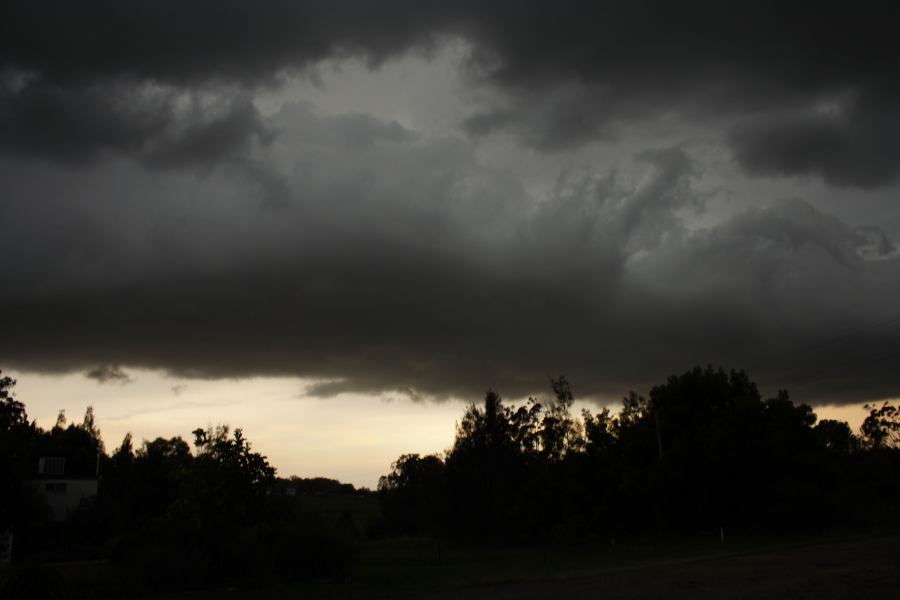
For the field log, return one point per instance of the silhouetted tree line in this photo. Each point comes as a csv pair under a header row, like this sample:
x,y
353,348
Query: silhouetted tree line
x,y
318,486
704,451
166,516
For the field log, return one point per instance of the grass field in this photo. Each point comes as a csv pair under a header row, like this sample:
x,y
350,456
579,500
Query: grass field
x,y
700,568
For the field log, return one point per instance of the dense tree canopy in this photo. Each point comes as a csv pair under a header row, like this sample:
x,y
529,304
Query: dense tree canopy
x,y
17,437
704,450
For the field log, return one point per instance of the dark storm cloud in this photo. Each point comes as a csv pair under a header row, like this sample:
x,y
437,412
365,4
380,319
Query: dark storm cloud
x,y
162,127
183,43
847,143
74,125
805,44
211,132
109,374
77,80
810,88
401,263
357,251
564,72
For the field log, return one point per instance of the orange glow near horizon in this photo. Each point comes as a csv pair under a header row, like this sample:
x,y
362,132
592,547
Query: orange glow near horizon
x,y
351,437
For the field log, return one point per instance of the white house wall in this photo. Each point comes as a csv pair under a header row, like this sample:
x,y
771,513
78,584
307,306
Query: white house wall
x,y
64,495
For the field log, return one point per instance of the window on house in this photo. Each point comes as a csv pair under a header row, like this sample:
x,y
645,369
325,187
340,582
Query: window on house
x,y
51,465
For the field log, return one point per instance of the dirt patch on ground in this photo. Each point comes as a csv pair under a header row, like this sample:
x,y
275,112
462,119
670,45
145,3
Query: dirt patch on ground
x,y
865,569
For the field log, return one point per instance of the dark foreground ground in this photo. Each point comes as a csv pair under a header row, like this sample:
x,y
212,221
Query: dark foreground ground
x,y
860,569
865,568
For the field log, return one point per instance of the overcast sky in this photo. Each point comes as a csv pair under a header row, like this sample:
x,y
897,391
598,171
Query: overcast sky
x,y
421,200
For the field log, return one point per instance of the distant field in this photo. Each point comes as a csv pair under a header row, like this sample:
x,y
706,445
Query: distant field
x,y
858,568
358,506
867,569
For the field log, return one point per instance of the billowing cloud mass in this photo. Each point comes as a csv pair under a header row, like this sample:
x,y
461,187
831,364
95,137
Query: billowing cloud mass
x,y
808,83
152,214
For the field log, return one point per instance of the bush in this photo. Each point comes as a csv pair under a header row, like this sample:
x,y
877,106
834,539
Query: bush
x,y
166,555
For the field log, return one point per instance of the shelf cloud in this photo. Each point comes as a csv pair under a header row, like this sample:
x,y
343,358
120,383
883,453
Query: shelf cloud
x,y
153,214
